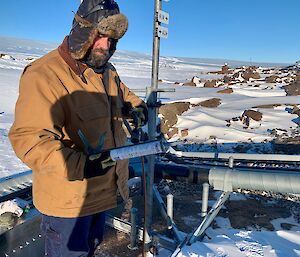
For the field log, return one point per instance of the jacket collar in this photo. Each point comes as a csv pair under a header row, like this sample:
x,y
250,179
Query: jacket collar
x,y
77,66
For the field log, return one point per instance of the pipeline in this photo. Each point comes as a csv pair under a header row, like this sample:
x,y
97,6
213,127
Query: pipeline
x,y
231,179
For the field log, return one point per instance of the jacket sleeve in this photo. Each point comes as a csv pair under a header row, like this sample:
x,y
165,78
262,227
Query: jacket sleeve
x,y
129,98
36,135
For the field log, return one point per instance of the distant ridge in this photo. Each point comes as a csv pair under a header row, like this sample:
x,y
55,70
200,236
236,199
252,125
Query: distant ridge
x,y
12,45
17,45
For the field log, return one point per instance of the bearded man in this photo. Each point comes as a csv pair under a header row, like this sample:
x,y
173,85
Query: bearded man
x,y
70,92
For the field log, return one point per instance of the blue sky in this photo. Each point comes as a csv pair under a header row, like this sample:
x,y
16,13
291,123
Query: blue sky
x,y
256,30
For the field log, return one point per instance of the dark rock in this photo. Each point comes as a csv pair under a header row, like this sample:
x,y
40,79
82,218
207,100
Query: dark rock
x,y
184,132
227,79
189,84
172,132
226,91
267,106
210,103
296,110
210,83
10,57
255,115
250,73
225,70
170,113
272,79
293,88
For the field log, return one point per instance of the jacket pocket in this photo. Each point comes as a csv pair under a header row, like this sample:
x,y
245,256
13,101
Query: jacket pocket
x,y
94,121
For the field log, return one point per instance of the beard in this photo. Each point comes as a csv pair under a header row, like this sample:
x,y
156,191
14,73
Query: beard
x,y
97,58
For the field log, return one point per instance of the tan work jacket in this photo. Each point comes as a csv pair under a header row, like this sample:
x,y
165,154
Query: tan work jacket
x,y
58,97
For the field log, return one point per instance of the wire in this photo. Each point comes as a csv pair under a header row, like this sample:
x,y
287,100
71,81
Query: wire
x,y
145,204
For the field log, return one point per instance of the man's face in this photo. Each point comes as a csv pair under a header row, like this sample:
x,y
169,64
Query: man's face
x,y
100,52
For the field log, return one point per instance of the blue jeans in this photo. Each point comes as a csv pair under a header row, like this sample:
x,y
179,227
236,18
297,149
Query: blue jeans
x,y
72,237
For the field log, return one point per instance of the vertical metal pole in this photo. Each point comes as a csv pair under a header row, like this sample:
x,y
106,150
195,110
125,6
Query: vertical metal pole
x,y
205,191
133,232
170,200
231,162
151,102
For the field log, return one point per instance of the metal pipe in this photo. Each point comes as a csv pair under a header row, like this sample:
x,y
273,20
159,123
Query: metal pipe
x,y
163,211
133,229
152,112
199,232
240,156
231,179
170,201
230,162
205,192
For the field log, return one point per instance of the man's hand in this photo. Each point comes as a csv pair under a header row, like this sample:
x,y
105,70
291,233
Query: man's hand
x,y
139,115
98,164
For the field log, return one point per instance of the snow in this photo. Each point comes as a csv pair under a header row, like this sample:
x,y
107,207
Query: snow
x,y
206,125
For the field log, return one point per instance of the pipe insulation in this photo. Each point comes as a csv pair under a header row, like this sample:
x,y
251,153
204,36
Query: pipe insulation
x,y
231,179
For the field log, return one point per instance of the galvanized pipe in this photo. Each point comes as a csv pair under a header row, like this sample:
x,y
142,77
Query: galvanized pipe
x,y
231,179
230,162
163,211
152,113
209,217
205,192
170,201
133,229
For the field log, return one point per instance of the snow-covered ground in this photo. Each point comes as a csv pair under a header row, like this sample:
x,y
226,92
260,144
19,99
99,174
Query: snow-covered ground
x,y
205,126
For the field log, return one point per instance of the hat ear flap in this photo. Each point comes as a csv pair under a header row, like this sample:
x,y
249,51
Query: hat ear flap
x,y
80,53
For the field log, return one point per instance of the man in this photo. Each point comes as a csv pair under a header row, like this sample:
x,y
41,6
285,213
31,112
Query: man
x,y
67,98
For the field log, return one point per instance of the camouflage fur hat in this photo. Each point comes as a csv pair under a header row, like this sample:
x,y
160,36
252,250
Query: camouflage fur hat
x,y
93,18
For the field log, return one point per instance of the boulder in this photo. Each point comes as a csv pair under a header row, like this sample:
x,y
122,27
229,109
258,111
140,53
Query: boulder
x,y
293,88
189,84
184,132
272,79
225,69
227,79
6,57
255,115
170,113
249,115
210,83
196,80
172,132
210,103
296,110
226,91
250,73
